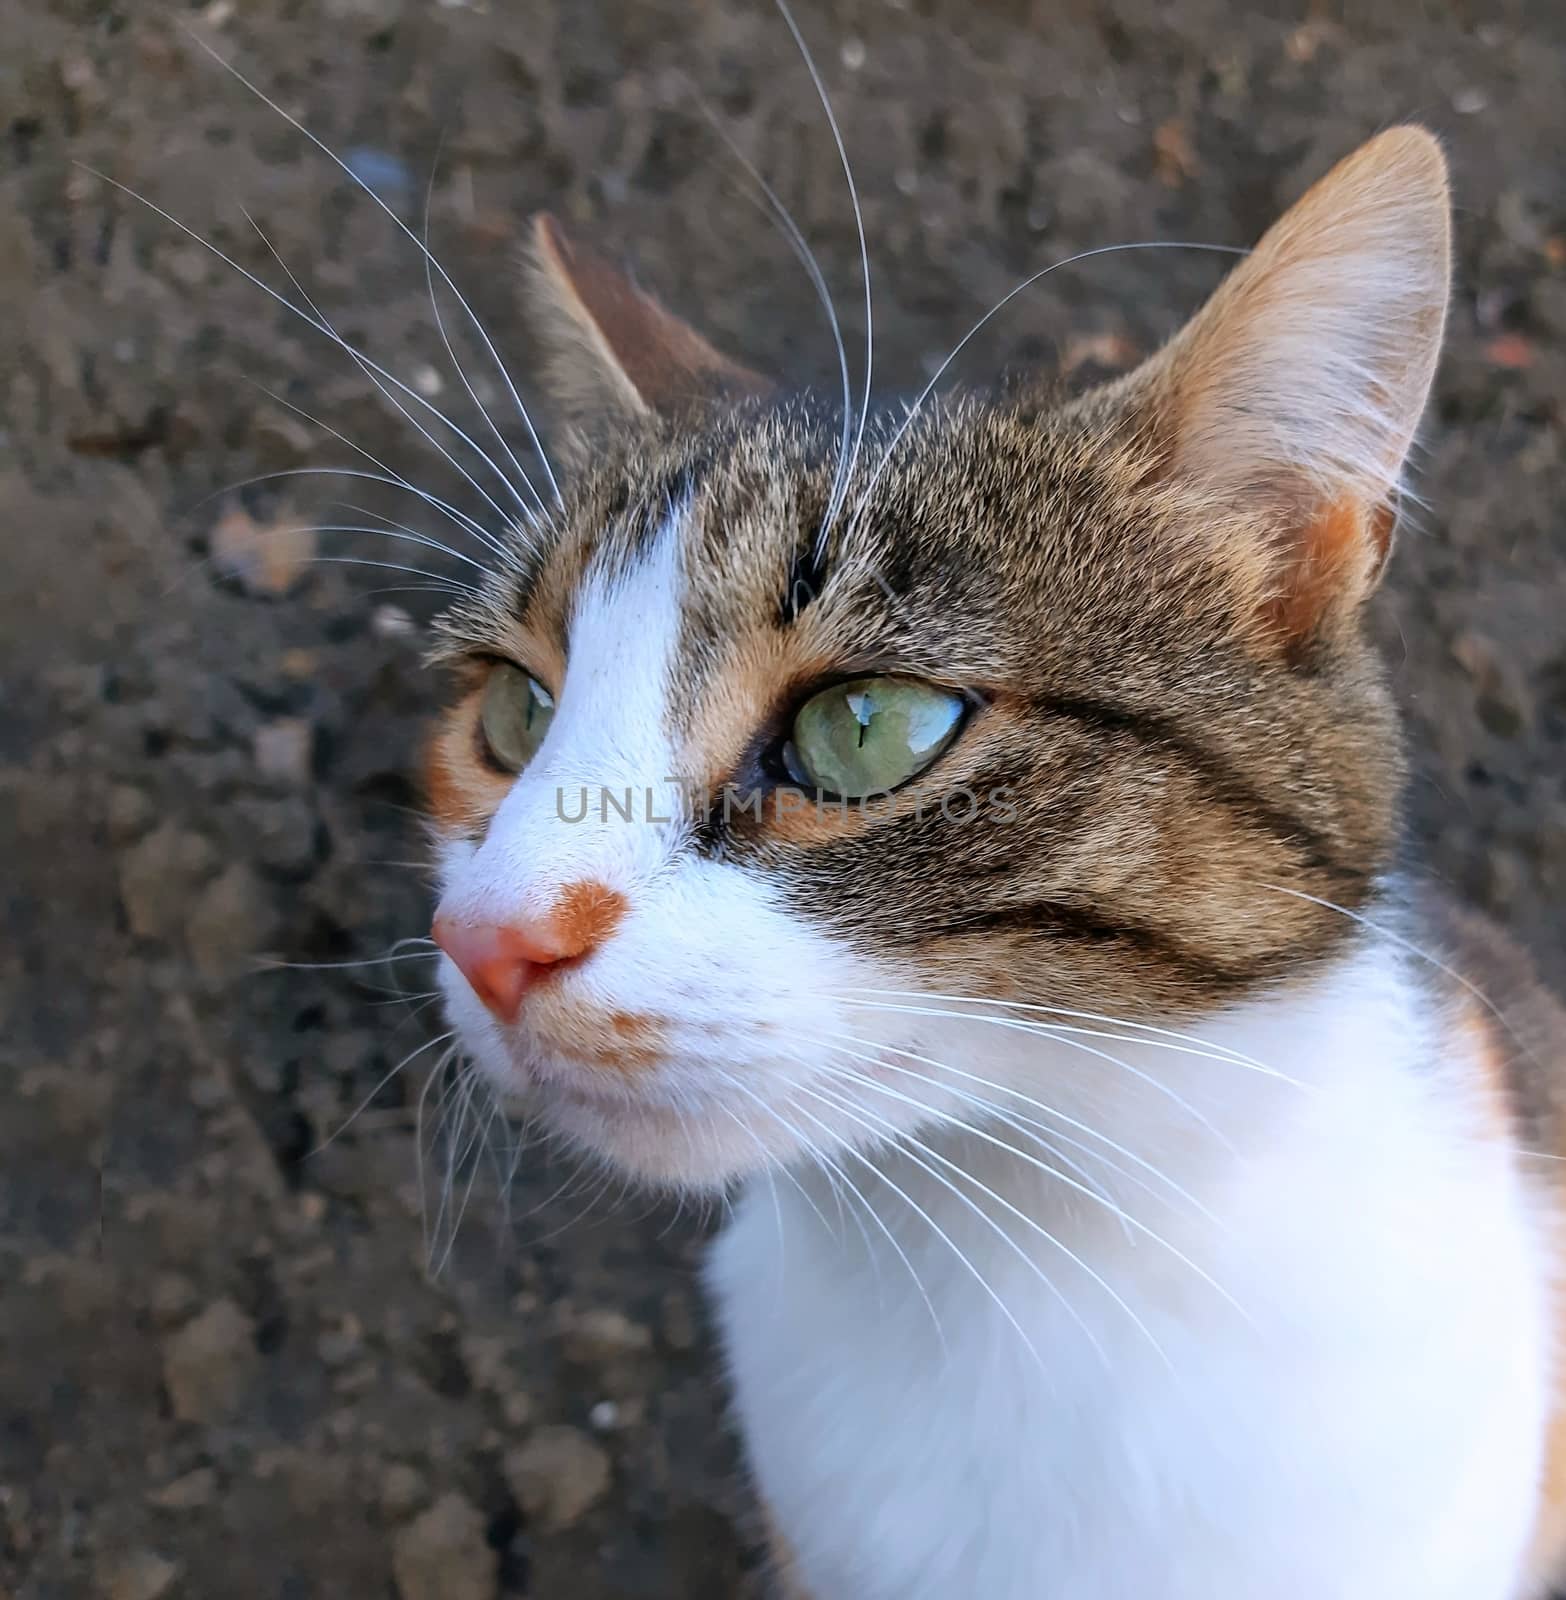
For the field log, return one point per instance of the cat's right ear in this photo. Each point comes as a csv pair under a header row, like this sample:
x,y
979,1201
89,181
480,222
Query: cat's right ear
x,y
613,355
1292,397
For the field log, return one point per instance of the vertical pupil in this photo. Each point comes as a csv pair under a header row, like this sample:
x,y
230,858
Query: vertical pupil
x,y
862,705
527,716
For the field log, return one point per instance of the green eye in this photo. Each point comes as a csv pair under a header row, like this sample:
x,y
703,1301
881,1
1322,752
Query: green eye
x,y
870,735
514,715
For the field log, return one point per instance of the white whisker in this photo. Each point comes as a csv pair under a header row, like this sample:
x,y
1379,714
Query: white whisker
x,y
606,1176
509,1177
304,316
394,953
907,1143
437,1072
409,588
429,1044
999,306
389,524
478,1143
385,533
1047,1110
473,525
929,1221
845,1108
391,479
791,230
1046,1138
1414,950
1148,1034
447,585
905,1139
1042,1030
367,367
767,1164
848,454
435,265
460,1146
568,1188
445,339
1044,1167
820,1156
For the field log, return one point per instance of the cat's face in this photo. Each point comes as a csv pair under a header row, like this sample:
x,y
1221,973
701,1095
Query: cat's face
x,y
1058,704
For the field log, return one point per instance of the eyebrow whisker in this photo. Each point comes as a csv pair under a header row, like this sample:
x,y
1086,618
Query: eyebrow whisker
x,y
423,249
368,369
849,455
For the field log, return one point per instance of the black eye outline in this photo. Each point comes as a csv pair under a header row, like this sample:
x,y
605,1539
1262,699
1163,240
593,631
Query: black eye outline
x,y
537,692
779,762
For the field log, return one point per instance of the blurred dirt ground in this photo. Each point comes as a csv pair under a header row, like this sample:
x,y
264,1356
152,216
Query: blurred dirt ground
x,y
224,1367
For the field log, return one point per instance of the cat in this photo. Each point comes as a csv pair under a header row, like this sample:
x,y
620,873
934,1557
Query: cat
x,y
975,840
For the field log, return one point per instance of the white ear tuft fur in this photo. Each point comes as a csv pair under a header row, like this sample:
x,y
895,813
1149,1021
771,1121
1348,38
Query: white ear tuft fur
x,y
1308,370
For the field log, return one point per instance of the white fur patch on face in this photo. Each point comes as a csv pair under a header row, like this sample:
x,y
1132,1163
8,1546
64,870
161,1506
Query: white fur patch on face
x,y
607,738
674,1046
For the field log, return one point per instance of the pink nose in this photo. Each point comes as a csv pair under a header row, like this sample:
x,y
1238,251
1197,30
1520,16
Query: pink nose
x,y
502,962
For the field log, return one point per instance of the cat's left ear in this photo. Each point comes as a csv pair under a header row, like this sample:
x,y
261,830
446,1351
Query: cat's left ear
x,y
613,354
1293,395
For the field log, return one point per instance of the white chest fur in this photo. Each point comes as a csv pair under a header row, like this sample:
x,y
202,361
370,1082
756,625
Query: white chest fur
x,y
1324,1378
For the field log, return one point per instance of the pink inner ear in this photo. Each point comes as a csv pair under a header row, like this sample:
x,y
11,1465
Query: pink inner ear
x,y
1333,561
662,360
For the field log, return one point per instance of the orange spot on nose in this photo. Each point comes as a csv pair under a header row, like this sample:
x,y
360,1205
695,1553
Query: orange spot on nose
x,y
502,961
585,914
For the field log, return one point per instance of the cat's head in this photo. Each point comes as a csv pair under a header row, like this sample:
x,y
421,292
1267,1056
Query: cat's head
x,y
1040,704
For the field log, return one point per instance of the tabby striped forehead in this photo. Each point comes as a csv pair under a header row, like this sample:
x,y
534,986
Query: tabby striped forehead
x,y
761,606
985,547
